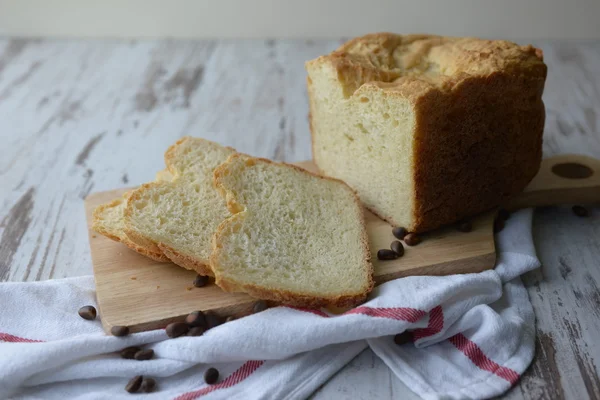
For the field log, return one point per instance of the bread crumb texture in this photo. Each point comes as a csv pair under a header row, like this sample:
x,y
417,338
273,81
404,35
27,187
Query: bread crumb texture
x,y
293,237
178,216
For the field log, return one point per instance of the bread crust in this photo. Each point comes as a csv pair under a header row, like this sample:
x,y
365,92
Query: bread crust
x,y
135,195
478,110
122,237
186,261
201,266
281,296
97,215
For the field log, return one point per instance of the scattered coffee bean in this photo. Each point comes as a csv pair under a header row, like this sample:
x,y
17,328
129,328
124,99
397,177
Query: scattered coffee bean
x,y
134,384
403,338
498,225
503,214
385,254
177,329
196,331
212,320
148,385
465,226
128,353
399,232
578,210
143,355
398,248
230,318
119,330
200,280
211,376
196,318
259,306
412,239
87,312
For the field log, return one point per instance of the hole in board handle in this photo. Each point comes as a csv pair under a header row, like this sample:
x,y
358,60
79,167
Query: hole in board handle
x,y
572,170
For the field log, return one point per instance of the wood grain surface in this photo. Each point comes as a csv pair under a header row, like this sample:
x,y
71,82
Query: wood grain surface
x,y
143,294
78,116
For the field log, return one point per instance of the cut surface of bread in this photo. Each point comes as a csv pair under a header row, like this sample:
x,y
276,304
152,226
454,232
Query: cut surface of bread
x,y
427,129
178,217
294,237
108,221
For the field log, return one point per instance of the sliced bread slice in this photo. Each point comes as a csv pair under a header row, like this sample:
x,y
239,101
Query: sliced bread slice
x,y
108,221
294,237
179,217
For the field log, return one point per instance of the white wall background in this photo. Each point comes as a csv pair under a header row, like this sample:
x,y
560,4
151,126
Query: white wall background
x,y
532,19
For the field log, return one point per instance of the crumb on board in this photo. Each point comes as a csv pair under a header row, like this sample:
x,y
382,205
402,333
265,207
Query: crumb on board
x,y
94,236
189,288
133,278
158,286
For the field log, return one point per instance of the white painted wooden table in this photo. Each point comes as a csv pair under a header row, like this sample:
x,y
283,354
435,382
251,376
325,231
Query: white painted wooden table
x,y
78,116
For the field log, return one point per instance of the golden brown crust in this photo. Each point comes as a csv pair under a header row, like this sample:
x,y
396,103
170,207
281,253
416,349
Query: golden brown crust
x,y
122,238
467,160
186,261
478,109
278,295
143,241
413,64
291,298
166,178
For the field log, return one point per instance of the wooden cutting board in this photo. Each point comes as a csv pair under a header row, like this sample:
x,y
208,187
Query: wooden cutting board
x,y
135,291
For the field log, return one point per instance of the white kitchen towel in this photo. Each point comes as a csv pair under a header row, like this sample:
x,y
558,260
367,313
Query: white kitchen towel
x,y
473,338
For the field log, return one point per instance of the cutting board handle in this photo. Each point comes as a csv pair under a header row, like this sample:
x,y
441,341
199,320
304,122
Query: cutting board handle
x,y
565,179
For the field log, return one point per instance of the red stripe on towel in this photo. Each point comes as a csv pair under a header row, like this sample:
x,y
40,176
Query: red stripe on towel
x,y
238,376
435,325
7,337
476,355
397,313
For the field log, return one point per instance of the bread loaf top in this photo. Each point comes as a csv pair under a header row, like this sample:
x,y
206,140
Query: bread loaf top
x,y
412,64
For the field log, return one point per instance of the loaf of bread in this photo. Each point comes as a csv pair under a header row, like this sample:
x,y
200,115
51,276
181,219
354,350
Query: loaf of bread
x,y
178,217
108,221
427,129
294,237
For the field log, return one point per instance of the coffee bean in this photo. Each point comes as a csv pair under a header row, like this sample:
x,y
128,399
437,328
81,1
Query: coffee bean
x,y
177,329
134,384
148,385
385,254
196,318
196,331
211,376
119,330
403,338
200,280
144,355
578,210
259,306
412,239
230,318
399,232
128,353
397,247
87,312
212,320
503,214
465,226
498,225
